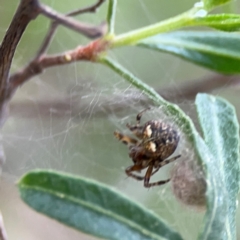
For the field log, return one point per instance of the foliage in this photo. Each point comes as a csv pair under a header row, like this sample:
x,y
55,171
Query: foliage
x,y
91,207
94,208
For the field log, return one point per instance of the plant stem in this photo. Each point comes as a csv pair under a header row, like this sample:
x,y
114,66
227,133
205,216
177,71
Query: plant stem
x,y
149,91
170,109
182,20
112,5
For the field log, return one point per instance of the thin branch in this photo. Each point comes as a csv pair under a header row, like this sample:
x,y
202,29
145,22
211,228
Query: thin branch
x,y
54,25
92,8
85,29
82,53
46,40
37,66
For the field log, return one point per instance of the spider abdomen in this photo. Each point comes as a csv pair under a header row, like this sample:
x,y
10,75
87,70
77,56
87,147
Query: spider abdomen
x,y
159,139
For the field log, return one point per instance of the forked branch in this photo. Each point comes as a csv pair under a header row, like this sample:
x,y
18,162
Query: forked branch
x,y
28,10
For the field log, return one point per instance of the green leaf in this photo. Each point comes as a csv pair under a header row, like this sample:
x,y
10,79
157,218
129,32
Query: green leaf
x,y
221,133
215,50
225,22
210,4
91,207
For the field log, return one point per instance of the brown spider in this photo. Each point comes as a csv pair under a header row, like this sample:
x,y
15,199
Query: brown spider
x,y
156,142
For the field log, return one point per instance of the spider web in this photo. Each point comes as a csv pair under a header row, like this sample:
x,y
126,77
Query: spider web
x,y
64,119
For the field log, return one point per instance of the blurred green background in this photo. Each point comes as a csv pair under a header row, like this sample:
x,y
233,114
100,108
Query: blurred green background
x,y
64,118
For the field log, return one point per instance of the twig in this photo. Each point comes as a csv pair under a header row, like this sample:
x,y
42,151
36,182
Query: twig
x,y
85,29
54,24
92,8
46,40
82,53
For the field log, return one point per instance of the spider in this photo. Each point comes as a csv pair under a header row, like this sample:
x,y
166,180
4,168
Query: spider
x,y
156,142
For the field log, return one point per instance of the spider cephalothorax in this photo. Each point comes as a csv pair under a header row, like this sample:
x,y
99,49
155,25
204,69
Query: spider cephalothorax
x,y
156,142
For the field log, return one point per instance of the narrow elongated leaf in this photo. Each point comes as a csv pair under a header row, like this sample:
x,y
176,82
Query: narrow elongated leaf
x,y
91,207
225,22
210,4
221,133
219,51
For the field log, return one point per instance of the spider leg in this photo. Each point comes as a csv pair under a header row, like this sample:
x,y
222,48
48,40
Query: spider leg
x,y
139,116
155,171
165,162
137,129
125,139
149,173
147,179
134,168
148,185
